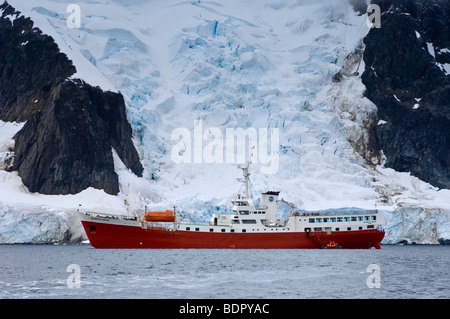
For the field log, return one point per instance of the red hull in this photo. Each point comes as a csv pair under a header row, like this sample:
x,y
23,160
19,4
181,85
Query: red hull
x,y
119,236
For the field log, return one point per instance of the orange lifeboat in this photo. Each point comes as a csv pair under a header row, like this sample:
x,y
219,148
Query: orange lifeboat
x,y
166,216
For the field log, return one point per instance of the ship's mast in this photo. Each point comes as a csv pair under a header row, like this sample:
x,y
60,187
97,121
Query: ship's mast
x,y
246,174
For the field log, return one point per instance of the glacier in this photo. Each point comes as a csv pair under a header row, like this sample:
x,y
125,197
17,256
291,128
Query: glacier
x,y
262,64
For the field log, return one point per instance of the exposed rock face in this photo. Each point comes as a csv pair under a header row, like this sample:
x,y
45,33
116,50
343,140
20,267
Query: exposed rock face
x,y
66,147
405,77
30,65
71,127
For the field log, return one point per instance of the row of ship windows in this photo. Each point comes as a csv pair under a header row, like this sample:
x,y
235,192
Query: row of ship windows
x,y
247,212
342,219
223,230
338,229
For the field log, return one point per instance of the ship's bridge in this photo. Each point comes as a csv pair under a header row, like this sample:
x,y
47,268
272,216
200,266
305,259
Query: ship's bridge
x,y
266,212
242,204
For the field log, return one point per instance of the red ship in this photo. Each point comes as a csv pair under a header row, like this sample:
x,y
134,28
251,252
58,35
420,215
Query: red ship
x,y
248,226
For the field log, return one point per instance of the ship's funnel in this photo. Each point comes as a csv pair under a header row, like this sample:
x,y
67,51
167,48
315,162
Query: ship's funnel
x,y
269,201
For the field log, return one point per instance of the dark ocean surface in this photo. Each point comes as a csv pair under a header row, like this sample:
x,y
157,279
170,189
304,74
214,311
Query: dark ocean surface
x,y
80,271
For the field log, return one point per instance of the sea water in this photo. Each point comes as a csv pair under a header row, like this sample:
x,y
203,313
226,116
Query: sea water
x,y
81,271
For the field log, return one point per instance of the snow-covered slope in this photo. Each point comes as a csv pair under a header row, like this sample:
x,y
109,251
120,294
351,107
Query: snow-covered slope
x,y
234,64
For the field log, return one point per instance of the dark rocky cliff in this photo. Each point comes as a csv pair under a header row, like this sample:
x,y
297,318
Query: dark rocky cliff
x,y
410,86
71,127
30,65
